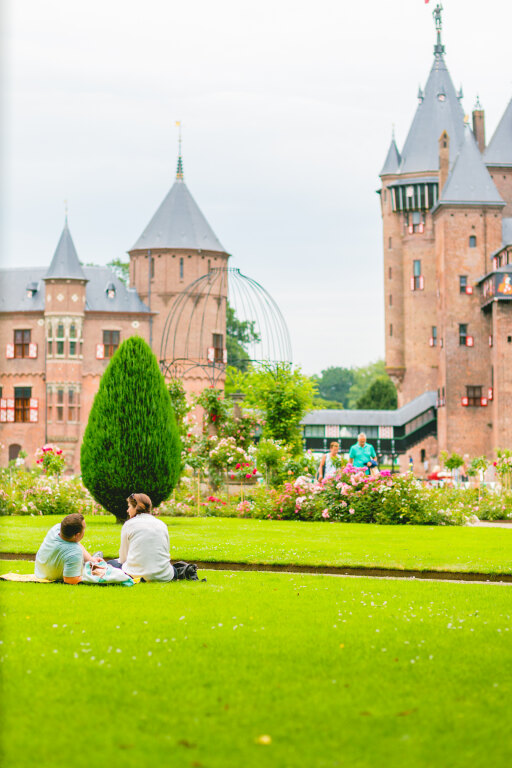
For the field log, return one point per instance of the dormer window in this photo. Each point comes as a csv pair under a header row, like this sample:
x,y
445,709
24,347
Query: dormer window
x,y
32,289
110,291
441,97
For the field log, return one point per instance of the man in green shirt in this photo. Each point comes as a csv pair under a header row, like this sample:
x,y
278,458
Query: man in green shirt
x,y
362,454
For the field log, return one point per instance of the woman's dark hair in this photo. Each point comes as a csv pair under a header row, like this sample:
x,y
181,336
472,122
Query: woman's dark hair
x,y
140,502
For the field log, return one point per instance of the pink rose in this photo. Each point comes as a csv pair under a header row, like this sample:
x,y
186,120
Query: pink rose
x,y
325,514
351,511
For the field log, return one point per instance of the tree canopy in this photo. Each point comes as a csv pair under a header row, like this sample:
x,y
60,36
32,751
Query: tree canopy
x,y
380,395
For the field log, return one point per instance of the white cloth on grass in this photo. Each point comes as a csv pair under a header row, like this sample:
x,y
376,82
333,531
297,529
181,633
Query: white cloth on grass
x,y
145,548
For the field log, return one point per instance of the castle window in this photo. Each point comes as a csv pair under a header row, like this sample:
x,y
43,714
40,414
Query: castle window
x,y
49,340
218,346
463,334
22,397
49,403
314,430
181,268
463,283
433,338
472,241
60,405
72,340
417,281
390,273
73,405
60,340
110,342
111,290
209,266
390,243
390,300
152,267
21,343
391,329
474,395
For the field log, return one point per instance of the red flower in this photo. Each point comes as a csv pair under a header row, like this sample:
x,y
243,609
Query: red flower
x,y
238,466
254,471
248,477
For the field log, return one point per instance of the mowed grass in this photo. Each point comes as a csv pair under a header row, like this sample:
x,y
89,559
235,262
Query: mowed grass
x,y
256,670
484,550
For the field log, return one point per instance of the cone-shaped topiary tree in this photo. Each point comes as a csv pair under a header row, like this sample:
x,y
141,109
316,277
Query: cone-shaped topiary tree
x,y
131,443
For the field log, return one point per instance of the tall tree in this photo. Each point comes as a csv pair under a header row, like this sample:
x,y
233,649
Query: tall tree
x,y
334,384
131,442
239,334
380,395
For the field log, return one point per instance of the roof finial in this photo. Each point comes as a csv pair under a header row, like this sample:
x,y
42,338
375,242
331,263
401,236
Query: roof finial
x,y
436,13
66,212
179,170
477,106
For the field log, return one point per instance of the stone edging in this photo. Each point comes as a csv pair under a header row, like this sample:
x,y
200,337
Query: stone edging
x,y
329,570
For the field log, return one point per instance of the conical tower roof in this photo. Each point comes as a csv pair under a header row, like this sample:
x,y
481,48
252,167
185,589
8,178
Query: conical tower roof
x,y
179,223
65,263
499,151
392,161
469,182
439,110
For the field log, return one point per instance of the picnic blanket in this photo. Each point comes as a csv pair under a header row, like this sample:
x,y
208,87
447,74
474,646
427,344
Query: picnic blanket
x,y
100,573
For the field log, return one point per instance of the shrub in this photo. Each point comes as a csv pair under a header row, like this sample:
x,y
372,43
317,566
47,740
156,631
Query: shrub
x,y
131,443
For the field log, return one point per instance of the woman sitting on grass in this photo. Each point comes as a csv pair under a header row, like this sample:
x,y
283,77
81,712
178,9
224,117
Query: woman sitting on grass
x,y
144,551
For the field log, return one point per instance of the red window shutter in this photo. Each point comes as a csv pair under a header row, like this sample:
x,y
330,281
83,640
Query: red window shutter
x,y
470,342
422,282
34,409
411,229
431,341
10,409
469,289
483,401
490,341
3,409
211,354
9,351
100,351
412,283
32,349
224,356
421,229
465,401
490,393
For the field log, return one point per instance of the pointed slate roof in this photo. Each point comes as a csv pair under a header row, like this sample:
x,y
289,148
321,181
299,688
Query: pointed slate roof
x,y
65,263
469,182
392,161
439,110
179,223
499,151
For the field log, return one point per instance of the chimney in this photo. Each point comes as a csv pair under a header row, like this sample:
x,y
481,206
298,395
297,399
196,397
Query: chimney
x,y
444,159
479,125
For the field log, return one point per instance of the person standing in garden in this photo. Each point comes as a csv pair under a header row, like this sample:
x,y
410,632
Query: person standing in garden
x,y
328,463
362,454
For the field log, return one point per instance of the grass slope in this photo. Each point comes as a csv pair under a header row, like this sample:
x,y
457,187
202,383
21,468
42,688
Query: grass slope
x,y
334,671
485,550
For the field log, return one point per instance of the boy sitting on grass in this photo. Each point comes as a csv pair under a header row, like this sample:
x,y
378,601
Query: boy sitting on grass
x,y
61,556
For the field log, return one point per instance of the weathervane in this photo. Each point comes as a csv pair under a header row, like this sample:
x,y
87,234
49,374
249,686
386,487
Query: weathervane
x,y
436,13
179,170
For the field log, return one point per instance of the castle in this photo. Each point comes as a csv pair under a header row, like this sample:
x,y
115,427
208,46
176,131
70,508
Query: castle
x,y
60,326
446,202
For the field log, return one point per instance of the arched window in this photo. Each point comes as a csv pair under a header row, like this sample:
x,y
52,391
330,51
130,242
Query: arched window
x,y
14,450
472,241
72,340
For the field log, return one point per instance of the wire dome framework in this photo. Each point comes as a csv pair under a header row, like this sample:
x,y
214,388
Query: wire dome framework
x,y
194,334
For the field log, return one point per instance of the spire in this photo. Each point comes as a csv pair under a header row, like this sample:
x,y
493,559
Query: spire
x,y
65,263
499,151
179,169
436,13
469,182
392,161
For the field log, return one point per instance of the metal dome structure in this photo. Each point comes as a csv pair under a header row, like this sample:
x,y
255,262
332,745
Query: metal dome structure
x,y
194,334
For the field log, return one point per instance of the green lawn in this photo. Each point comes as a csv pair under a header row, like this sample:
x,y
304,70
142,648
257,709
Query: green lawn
x,y
356,673
485,550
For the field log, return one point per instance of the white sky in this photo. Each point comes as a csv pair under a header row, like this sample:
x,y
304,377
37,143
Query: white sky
x,y
286,108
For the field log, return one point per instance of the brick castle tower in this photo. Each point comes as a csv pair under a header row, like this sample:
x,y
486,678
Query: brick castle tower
x,y
446,200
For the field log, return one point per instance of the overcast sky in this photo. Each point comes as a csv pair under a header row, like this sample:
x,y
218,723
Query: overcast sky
x,y
286,107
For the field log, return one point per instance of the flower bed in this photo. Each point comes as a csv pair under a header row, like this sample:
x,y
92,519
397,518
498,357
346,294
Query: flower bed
x,y
29,493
